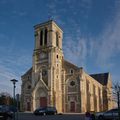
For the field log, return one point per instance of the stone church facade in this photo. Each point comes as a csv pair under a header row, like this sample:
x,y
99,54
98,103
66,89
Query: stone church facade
x,y
54,81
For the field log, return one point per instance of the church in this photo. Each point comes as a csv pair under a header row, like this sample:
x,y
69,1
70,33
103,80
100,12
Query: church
x,y
54,81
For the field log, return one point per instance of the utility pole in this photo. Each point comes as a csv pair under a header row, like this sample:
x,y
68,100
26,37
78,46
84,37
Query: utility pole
x,y
116,92
118,98
14,82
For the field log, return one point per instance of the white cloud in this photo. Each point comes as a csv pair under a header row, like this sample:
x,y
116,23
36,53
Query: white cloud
x,y
75,49
6,74
12,66
52,9
102,48
19,13
110,42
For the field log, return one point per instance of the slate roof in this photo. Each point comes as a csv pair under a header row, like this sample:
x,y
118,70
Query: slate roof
x,y
28,72
102,78
67,63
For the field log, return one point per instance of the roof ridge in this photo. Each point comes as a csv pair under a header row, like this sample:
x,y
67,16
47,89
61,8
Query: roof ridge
x,y
70,63
99,73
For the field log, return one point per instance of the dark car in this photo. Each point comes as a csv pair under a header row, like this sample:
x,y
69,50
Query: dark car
x,y
98,115
108,115
12,108
45,111
5,113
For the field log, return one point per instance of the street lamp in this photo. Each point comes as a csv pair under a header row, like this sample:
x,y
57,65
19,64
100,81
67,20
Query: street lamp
x,y
14,82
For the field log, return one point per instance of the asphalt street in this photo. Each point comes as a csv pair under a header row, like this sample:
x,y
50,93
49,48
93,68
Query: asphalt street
x,y
30,116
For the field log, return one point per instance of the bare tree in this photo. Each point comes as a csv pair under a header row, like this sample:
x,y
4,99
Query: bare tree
x,y
5,98
116,93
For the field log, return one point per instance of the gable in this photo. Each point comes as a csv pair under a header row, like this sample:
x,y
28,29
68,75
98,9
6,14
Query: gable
x,y
27,75
69,66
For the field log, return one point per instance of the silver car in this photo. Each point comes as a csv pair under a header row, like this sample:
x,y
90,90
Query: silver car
x,y
108,115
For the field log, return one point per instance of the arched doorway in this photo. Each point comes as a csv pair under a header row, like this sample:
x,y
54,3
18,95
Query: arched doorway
x,y
28,106
43,101
41,97
72,106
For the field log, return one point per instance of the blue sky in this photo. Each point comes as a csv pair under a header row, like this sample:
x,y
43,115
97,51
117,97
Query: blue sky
x,y
91,35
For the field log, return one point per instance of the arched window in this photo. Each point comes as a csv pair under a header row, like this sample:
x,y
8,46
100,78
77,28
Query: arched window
x,y
71,71
57,39
45,36
41,38
29,87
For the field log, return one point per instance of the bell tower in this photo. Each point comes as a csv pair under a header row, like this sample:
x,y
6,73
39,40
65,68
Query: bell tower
x,y
47,59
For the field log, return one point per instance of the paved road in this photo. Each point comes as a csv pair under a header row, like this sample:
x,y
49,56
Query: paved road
x,y
30,116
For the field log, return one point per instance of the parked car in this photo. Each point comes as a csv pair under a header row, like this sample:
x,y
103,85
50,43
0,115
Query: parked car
x,y
108,115
98,115
45,111
12,108
5,113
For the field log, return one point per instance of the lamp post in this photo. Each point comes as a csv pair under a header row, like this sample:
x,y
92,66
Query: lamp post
x,y
14,82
